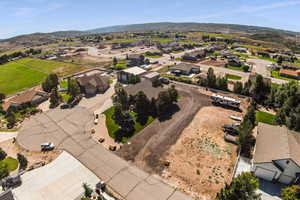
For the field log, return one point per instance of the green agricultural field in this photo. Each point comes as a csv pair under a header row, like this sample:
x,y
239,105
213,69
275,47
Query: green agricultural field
x,y
233,77
12,164
266,118
15,77
26,73
112,127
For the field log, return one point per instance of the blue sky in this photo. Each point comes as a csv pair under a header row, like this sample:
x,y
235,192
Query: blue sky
x,y
28,16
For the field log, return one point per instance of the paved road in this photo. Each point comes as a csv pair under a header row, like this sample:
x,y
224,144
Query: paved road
x,y
69,130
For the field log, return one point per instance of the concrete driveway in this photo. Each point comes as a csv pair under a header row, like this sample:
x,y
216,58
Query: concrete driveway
x,y
69,131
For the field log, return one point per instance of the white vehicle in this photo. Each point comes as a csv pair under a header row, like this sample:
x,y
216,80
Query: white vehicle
x,y
218,99
237,118
48,146
96,119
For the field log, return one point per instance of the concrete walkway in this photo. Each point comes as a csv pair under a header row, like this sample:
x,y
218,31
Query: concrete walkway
x,y
7,135
69,130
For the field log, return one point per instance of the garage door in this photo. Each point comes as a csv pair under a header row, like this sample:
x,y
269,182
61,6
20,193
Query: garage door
x,y
265,173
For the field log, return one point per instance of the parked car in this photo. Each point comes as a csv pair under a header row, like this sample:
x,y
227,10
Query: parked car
x,y
48,146
65,106
237,118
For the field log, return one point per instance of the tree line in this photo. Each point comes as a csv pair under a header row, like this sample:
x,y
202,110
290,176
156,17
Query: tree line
x,y
19,54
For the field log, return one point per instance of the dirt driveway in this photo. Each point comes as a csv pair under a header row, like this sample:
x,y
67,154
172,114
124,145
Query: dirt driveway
x,y
146,148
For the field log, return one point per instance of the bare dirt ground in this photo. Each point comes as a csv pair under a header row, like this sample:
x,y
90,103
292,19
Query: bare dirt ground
x,y
188,150
146,148
201,162
35,159
217,63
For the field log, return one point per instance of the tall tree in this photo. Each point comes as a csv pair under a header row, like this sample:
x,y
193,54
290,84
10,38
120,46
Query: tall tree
x,y
173,93
88,191
238,87
123,119
141,103
2,97
23,161
120,97
55,98
73,88
115,61
211,78
3,170
50,82
243,187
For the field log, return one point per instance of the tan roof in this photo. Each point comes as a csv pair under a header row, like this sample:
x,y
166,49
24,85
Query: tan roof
x,y
289,72
275,143
24,97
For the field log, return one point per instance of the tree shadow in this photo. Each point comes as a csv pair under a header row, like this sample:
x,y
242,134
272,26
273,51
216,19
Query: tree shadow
x,y
227,107
167,115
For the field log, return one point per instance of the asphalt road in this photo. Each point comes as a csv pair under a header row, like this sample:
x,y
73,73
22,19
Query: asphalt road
x,y
69,131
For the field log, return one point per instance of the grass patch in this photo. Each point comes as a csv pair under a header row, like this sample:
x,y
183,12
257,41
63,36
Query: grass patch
x,y
233,77
63,84
65,96
244,55
266,118
12,164
235,68
15,77
147,56
112,127
275,74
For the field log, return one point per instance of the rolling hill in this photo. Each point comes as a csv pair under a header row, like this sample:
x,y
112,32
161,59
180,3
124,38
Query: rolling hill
x,y
205,27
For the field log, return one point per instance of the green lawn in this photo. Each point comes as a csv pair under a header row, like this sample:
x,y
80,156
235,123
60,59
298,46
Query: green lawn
x,y
266,118
235,68
158,56
112,127
45,66
15,77
244,55
26,73
275,74
12,163
63,84
65,96
233,77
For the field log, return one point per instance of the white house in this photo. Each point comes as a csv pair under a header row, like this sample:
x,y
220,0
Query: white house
x,y
277,154
124,75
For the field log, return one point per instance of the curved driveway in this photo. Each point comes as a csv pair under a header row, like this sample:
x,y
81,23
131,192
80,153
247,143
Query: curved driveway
x,y
68,130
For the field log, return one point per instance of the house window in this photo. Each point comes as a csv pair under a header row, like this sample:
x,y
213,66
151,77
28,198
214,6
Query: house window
x,y
287,162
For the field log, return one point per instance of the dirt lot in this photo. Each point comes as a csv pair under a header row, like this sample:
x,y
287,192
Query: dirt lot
x,y
35,159
191,143
201,161
217,63
147,148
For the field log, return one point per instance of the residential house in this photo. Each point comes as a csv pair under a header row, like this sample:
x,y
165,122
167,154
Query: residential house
x,y
93,84
185,69
152,76
135,60
31,98
241,49
277,154
295,74
146,86
194,56
234,62
125,75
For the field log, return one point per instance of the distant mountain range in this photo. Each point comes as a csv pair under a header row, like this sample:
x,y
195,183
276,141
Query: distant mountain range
x,y
182,27
36,38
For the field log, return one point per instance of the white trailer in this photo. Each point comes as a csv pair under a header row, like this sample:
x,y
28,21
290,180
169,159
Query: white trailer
x,y
227,101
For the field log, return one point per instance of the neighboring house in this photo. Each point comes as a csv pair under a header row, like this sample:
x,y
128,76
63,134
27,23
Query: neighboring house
x,y
31,97
241,49
234,62
295,74
152,76
125,75
185,69
194,56
93,84
145,86
263,54
135,60
277,154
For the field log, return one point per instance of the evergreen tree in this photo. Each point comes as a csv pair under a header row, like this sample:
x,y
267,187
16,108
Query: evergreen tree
x,y
121,97
2,154
55,98
238,87
211,78
23,161
73,88
88,191
3,170
50,82
243,187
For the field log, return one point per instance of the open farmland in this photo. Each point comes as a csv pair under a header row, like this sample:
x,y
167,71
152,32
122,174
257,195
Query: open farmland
x,y
26,73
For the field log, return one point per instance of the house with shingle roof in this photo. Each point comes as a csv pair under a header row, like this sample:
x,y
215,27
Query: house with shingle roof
x,y
31,97
277,154
93,84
